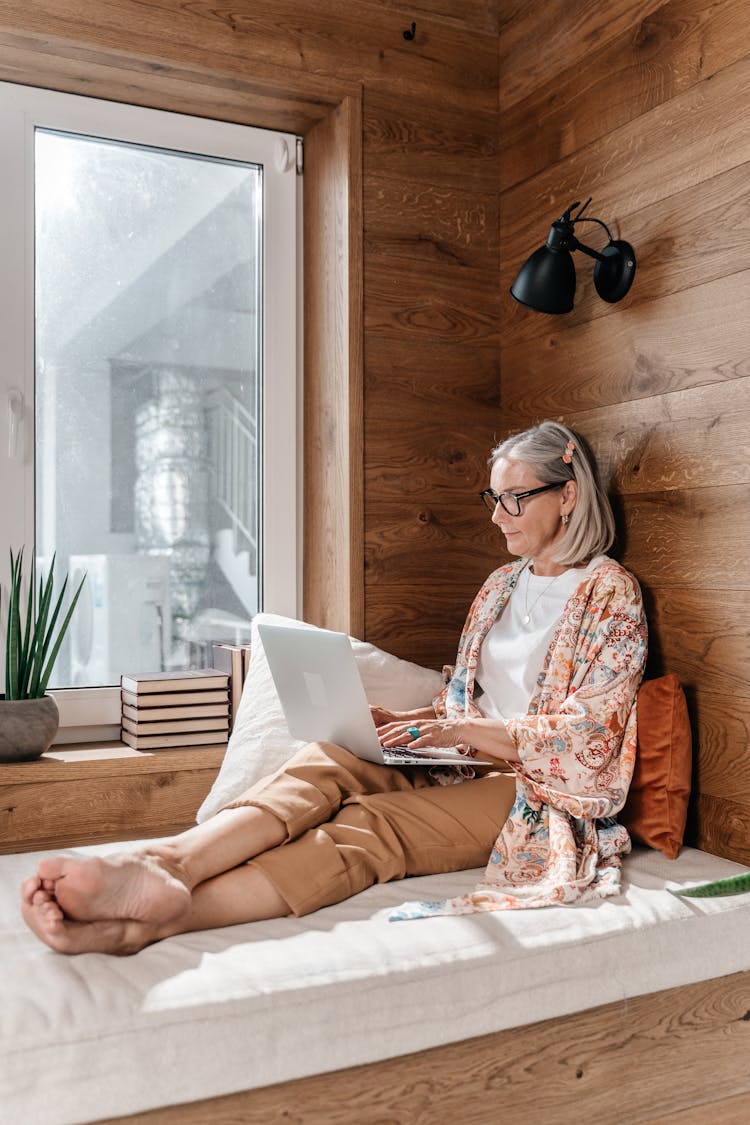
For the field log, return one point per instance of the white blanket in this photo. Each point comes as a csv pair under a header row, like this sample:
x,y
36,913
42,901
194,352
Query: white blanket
x,y
212,1013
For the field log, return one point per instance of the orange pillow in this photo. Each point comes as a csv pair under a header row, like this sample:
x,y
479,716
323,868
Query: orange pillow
x,y
655,812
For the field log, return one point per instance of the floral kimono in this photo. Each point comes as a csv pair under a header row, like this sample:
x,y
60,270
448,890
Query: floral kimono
x,y
576,747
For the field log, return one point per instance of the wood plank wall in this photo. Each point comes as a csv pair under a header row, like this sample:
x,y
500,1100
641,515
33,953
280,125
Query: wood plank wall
x,y
641,104
644,105
430,237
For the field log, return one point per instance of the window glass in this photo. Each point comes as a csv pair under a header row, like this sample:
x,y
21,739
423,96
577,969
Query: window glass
x,y
147,345
148,431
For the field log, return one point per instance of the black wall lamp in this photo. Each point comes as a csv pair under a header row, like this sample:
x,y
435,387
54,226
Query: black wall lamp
x,y
546,281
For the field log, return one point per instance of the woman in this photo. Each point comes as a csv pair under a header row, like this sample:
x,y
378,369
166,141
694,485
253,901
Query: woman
x,y
548,668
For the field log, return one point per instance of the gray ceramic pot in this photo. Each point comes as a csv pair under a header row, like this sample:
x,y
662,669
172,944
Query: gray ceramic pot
x,y
27,727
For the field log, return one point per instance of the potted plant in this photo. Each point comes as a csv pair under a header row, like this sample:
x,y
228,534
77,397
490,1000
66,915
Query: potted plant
x,y
28,717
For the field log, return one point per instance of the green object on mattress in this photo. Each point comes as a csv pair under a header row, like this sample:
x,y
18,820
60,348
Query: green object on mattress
x,y
732,885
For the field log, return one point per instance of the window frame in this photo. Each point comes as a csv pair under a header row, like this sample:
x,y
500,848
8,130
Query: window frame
x,y
93,713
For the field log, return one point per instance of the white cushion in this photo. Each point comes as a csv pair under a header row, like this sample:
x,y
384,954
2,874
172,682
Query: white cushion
x,y
209,1013
260,741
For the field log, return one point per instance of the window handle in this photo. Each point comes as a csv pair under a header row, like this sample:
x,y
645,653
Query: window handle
x,y
15,417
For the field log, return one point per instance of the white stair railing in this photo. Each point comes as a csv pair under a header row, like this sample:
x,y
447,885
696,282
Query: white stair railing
x,y
235,460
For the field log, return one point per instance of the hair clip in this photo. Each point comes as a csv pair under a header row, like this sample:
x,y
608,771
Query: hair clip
x,y
568,454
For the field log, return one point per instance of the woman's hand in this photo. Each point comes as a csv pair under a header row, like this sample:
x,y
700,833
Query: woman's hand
x,y
381,716
431,732
487,737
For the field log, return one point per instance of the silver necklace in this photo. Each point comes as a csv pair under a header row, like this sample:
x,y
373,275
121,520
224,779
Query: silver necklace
x,y
528,612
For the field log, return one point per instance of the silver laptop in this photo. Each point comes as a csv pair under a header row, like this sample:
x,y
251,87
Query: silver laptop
x,y
321,692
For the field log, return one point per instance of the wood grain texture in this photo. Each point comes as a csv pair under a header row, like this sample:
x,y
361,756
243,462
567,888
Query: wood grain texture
x,y
426,628
83,798
629,354
289,65
659,382
443,461
277,102
432,141
677,539
429,142
707,645
673,441
414,302
720,826
400,547
480,14
652,158
406,378
722,756
674,47
357,40
669,1051
725,1111
538,41
77,761
408,221
333,386
670,258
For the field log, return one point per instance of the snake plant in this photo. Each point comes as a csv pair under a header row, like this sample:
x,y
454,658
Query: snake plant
x,y
31,646
732,885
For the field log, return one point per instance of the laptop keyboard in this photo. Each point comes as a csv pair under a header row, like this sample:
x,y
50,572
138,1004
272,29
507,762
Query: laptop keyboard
x,y
395,754
399,753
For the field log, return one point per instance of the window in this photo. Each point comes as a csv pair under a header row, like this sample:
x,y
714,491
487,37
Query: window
x,y
148,308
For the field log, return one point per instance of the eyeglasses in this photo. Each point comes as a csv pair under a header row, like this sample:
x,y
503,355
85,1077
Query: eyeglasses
x,y
511,501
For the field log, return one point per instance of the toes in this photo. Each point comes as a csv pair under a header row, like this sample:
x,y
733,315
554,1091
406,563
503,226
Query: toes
x,y
39,897
50,912
56,936
51,868
49,884
29,887
62,935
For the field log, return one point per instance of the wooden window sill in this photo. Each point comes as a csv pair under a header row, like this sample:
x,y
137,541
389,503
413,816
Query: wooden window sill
x,y
89,794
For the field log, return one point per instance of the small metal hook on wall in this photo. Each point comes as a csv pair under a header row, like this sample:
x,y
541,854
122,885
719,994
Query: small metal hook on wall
x,y
410,35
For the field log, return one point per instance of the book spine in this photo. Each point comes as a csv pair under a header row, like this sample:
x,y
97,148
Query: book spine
x,y
217,711
175,726
149,685
173,741
230,659
177,699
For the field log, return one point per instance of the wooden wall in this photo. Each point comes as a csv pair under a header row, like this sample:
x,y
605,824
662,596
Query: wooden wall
x,y
644,105
427,271
641,104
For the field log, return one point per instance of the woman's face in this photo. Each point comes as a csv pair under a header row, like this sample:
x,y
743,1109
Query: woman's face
x,y
536,532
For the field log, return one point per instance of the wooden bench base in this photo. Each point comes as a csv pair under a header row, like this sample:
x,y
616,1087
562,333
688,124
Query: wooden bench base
x,y
677,1057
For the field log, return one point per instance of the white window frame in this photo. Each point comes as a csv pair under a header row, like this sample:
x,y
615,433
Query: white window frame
x,y
93,713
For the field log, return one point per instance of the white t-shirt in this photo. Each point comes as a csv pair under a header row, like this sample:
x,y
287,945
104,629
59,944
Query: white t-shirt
x,y
514,649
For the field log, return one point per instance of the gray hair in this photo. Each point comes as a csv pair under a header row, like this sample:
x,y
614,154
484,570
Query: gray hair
x,y
591,530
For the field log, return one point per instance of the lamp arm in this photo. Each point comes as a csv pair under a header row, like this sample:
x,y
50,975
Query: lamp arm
x,y
599,221
574,244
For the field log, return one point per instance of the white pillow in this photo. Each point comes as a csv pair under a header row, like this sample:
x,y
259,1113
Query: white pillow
x,y
260,741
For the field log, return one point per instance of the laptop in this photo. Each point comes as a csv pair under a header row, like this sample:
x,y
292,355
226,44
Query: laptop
x,y
323,699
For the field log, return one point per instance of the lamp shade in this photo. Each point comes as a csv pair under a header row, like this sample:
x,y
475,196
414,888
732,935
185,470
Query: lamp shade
x,y
546,281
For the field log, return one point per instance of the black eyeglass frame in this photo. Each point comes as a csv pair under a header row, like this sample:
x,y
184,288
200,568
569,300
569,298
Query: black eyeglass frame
x,y
497,498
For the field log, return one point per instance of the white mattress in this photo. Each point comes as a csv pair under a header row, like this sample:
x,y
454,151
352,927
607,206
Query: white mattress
x,y
216,1012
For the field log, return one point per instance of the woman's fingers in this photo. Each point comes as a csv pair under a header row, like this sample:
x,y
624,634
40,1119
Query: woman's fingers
x,y
417,734
397,734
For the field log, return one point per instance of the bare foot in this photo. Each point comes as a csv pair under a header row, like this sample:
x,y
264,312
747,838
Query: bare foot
x,y
136,887
118,936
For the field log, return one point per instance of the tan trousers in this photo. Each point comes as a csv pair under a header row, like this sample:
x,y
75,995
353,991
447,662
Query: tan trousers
x,y
352,823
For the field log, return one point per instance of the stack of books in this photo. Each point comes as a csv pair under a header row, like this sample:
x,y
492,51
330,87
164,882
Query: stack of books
x,y
234,660
174,709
